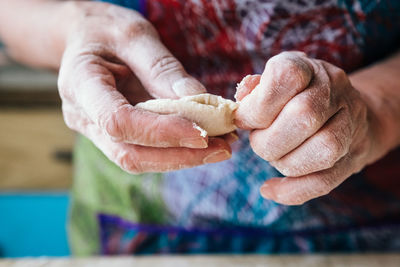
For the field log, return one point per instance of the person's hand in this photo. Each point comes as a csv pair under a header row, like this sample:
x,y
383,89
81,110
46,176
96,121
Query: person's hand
x,y
112,60
309,122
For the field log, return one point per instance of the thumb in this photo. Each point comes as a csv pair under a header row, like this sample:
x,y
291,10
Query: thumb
x,y
158,70
246,86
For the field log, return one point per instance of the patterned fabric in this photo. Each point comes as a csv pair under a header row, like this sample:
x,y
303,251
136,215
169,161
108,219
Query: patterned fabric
x,y
217,207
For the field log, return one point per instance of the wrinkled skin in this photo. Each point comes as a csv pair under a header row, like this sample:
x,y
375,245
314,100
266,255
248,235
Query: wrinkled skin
x,y
107,69
309,122
304,115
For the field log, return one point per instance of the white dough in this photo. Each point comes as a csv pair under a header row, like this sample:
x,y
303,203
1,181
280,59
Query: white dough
x,y
211,112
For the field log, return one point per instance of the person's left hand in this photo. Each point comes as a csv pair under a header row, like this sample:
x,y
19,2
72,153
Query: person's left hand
x,y
309,122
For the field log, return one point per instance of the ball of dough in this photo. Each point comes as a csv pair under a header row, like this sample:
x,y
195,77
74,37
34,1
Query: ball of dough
x,y
212,113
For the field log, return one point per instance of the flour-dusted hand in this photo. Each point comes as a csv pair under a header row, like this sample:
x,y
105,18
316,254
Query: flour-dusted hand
x,y
309,122
114,59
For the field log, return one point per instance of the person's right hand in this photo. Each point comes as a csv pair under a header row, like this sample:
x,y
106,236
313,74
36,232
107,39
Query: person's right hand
x,y
114,59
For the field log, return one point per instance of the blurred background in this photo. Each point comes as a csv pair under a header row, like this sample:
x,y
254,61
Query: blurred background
x,y
35,163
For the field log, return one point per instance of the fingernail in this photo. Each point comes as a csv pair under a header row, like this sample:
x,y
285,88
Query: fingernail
x,y
188,86
234,137
239,95
217,156
266,192
193,143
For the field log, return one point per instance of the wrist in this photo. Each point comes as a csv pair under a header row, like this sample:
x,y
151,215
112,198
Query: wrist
x,y
65,22
382,117
34,32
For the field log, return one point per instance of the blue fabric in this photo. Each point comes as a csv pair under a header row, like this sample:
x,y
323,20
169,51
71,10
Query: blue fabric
x,y
132,4
33,224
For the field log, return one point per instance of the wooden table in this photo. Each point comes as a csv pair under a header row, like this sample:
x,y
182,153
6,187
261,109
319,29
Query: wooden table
x,y
364,260
35,144
32,145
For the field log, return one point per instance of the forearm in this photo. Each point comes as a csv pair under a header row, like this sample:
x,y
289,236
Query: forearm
x,y
379,85
35,31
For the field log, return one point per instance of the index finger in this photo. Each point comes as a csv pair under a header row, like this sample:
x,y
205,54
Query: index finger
x,y
285,75
157,69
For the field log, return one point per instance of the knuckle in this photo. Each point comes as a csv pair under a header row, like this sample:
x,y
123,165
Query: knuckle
x,y
359,110
292,64
334,147
110,124
289,171
339,79
163,66
63,89
69,121
286,171
307,112
137,29
263,148
325,97
339,74
252,117
127,163
336,75
345,130
324,186
284,168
